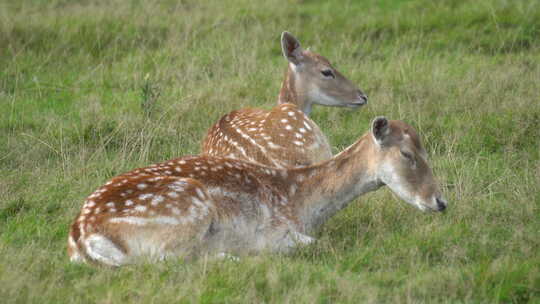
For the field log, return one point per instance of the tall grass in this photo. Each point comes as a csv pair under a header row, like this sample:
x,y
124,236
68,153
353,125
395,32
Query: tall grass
x,y
91,89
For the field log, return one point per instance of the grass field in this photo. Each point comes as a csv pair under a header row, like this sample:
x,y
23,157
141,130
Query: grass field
x,y
91,89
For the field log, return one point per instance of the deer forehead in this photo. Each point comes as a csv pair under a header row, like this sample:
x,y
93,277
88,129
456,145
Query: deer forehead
x,y
317,58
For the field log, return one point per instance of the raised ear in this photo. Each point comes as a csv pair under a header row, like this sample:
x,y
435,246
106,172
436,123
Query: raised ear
x,y
380,129
290,46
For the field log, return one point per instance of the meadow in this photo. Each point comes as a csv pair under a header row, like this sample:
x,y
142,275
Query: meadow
x,y
92,89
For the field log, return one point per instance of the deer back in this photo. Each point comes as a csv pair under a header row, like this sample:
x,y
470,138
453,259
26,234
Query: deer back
x,y
282,137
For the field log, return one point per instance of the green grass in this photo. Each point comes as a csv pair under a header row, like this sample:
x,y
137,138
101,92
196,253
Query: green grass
x,y
91,89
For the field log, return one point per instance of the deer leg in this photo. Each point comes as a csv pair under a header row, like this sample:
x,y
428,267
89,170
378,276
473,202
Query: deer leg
x,y
293,239
302,239
227,256
103,250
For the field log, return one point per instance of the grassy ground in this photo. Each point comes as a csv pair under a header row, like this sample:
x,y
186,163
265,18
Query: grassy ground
x,y
91,89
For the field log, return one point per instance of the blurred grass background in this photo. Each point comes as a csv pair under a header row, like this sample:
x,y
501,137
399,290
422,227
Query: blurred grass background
x,y
91,89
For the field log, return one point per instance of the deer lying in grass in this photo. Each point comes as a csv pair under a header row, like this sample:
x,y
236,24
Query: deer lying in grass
x,y
262,136
202,204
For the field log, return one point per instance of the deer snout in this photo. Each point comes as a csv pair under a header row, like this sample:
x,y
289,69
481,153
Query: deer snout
x,y
361,99
441,204
362,96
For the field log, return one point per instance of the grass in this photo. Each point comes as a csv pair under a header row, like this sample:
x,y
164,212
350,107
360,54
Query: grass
x,y
91,89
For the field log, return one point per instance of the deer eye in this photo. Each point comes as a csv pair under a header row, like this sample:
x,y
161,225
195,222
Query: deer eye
x,y
408,156
328,73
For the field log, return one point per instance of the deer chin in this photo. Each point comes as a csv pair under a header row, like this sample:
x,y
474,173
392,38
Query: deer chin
x,y
355,104
321,98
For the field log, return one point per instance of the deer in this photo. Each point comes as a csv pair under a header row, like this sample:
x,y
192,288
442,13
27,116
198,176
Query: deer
x,y
203,205
262,136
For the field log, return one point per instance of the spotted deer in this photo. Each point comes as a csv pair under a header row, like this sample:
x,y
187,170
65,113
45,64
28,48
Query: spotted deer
x,y
198,205
265,137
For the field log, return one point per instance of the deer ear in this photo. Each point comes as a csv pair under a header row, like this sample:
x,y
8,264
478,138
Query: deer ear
x,y
380,129
290,46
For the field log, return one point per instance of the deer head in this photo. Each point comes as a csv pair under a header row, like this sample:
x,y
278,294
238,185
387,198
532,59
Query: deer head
x,y
311,79
402,164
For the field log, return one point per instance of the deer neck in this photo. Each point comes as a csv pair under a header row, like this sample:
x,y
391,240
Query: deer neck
x,y
324,189
290,92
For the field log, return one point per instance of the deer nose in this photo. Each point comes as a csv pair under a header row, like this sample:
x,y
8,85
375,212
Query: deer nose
x,y
441,204
362,97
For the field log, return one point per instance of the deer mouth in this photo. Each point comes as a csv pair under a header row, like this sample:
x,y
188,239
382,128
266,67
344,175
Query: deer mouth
x,y
440,206
361,101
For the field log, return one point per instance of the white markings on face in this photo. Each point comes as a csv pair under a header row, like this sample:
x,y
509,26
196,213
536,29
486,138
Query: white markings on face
x,y
288,127
142,186
128,203
284,120
390,177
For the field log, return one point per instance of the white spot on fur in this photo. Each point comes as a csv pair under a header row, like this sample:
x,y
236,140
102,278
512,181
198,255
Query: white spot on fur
x,y
145,196
200,193
157,199
172,194
140,208
272,145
